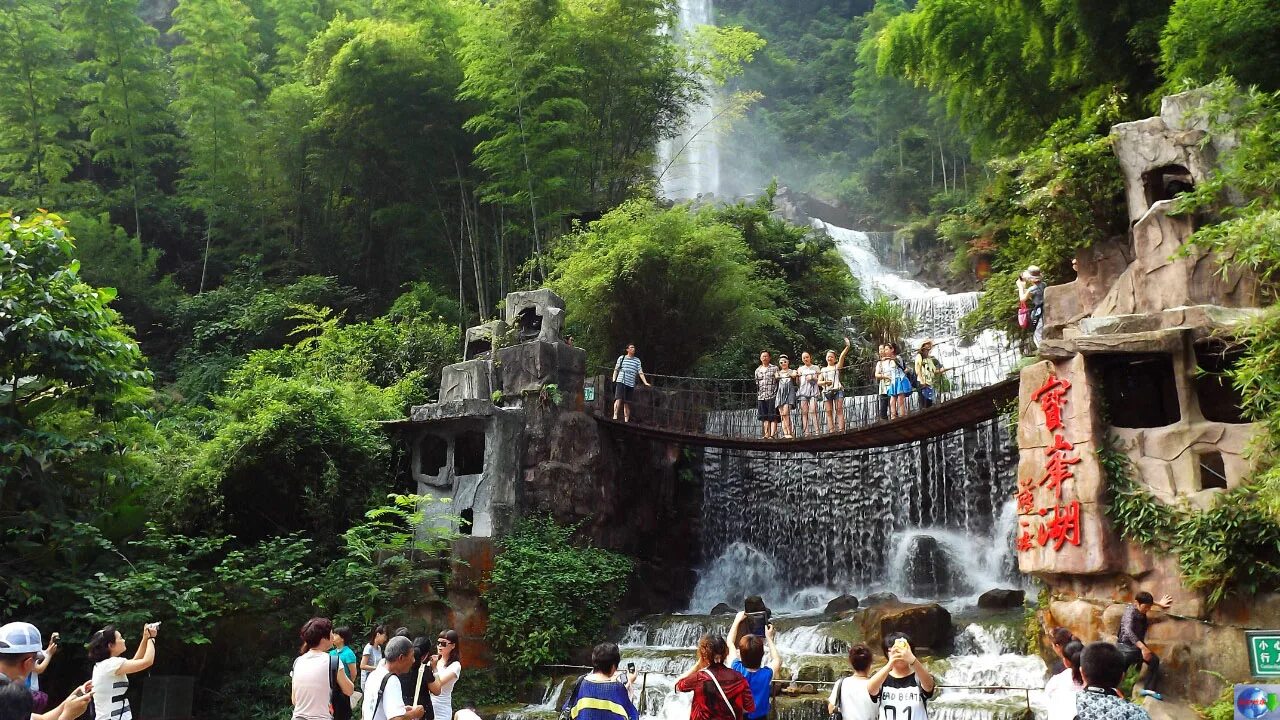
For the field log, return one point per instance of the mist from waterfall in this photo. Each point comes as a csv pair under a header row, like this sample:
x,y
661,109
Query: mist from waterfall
x,y
689,164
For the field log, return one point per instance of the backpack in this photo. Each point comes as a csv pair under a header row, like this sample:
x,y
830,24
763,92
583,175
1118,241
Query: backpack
x,y
909,371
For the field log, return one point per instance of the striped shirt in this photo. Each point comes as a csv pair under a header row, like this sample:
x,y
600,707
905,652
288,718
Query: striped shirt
x,y
627,368
601,701
109,690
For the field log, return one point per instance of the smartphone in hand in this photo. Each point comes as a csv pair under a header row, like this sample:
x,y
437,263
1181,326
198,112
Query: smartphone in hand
x,y
631,668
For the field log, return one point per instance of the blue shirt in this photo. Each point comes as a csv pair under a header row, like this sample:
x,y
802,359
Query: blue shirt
x,y
628,368
347,656
761,684
602,701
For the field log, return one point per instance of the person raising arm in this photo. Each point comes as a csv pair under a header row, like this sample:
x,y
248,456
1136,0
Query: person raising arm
x,y
904,683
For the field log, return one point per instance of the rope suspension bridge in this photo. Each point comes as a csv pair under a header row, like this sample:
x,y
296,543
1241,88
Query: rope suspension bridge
x,y
721,412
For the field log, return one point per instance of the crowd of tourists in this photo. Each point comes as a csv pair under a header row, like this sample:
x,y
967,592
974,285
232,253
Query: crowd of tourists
x,y
808,399
395,676
733,677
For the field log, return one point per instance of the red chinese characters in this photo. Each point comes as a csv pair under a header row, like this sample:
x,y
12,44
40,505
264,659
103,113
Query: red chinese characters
x,y
1060,524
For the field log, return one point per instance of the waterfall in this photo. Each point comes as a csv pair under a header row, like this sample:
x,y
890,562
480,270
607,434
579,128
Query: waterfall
x,y
689,163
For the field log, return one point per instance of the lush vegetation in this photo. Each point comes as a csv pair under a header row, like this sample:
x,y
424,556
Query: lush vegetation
x,y
547,597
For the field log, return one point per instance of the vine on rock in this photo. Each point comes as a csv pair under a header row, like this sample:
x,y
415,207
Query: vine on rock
x,y
1227,549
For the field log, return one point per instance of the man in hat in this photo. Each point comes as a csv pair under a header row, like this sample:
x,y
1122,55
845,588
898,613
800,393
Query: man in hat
x,y
1031,291
19,646
927,371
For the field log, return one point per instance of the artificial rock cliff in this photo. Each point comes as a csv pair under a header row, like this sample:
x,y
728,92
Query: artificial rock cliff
x,y
1133,355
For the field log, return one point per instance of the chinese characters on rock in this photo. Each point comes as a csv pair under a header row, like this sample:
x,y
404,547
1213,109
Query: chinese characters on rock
x,y
1060,523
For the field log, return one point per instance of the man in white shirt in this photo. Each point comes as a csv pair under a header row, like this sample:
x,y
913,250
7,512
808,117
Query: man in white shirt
x,y
382,697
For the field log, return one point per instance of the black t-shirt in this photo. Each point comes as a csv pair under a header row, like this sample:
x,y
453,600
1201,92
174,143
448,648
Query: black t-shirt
x,y
902,698
408,681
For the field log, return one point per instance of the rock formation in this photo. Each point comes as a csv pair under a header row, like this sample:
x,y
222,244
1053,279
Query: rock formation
x,y
1134,352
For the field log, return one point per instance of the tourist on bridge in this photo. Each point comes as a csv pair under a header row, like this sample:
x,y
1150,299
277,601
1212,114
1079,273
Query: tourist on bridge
x,y
601,695
625,372
746,656
891,377
808,394
787,397
1131,640
718,692
927,371
850,694
1102,668
833,389
904,684
767,395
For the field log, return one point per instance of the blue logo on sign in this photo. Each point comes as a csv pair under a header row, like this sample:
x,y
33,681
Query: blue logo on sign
x,y
1251,702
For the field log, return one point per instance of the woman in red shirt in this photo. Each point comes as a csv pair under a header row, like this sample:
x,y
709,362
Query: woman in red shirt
x,y
731,700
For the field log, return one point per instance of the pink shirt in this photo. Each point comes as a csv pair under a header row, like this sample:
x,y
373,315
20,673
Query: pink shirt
x,y
311,686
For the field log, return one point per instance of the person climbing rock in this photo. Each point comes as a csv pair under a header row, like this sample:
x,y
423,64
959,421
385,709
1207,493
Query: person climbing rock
x,y
1131,640
625,372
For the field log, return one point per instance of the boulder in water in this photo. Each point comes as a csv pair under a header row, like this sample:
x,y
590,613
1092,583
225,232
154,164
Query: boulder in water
x,y
879,598
928,625
722,609
844,603
1001,598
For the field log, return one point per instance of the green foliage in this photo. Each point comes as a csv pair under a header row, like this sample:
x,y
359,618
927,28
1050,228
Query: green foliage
x,y
1242,197
1228,549
385,563
547,597
1032,626
1041,206
63,350
1207,39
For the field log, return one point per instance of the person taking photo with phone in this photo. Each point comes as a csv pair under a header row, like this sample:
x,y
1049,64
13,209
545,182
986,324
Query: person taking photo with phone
x,y
19,646
600,695
903,685
111,670
746,656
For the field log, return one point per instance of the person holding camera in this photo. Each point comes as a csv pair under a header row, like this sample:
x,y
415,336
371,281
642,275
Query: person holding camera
x,y
111,670
746,656
718,692
19,647
38,696
600,695
904,684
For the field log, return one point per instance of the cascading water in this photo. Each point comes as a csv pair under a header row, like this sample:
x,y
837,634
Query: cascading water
x,y
689,164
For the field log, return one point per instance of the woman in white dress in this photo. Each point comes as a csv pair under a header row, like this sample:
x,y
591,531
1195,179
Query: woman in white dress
x,y
448,668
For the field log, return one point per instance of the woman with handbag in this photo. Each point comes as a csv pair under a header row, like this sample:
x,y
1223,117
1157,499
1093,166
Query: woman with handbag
x,y
849,698
718,692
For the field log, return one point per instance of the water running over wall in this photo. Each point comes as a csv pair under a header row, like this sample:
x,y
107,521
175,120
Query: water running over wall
x,y
689,164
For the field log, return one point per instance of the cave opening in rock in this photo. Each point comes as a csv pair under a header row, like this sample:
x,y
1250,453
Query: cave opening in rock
x,y
1211,469
477,348
466,521
1139,389
528,324
433,454
1219,399
1166,183
468,453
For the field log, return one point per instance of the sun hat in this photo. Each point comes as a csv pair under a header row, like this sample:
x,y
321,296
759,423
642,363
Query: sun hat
x,y
19,638
1033,271
928,342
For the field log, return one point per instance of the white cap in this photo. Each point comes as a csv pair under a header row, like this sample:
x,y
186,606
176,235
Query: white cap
x,y
18,638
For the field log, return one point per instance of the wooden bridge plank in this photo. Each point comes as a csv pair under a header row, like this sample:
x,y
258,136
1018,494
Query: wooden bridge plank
x,y
968,409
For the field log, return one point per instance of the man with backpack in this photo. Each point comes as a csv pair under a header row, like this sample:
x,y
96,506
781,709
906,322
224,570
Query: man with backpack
x,y
383,698
927,370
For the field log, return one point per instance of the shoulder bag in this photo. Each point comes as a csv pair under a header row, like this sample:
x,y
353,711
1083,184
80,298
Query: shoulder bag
x,y
732,710
566,712
837,714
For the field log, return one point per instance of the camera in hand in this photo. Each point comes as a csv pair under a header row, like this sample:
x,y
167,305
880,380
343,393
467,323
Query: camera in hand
x,y
631,668
756,622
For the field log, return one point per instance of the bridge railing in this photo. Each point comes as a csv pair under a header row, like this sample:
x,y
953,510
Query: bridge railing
x,y
726,407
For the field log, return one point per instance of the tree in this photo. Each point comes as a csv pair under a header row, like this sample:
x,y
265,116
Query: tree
x,y
217,96
1205,39
62,349
125,107
36,78
679,284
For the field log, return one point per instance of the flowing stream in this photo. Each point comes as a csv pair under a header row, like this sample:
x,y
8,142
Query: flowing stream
x,y
689,164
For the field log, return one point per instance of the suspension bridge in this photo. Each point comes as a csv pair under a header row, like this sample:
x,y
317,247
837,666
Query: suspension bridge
x,y
721,412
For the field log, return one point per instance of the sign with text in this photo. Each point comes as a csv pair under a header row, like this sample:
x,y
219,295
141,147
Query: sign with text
x,y
589,393
1264,652
1059,522
1257,702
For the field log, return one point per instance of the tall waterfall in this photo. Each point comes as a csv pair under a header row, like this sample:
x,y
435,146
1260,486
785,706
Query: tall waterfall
x,y
689,164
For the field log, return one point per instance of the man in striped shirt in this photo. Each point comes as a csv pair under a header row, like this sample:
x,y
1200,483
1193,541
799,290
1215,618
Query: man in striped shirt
x,y
625,372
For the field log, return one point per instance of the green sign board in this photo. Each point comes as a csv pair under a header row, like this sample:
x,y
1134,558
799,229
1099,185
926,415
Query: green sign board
x,y
1264,652
589,393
